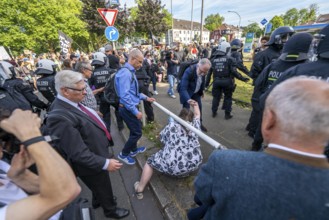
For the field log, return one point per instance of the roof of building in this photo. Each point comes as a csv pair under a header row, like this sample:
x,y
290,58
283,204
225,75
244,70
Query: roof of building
x,y
186,25
228,26
323,18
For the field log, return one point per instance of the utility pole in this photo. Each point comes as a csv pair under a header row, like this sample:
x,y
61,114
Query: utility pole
x,y
172,25
191,21
201,22
239,21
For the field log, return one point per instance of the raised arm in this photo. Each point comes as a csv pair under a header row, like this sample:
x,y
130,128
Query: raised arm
x,y
58,185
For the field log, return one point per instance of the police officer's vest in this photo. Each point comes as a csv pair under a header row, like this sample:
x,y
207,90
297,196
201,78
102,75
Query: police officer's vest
x,y
100,76
221,67
46,86
12,99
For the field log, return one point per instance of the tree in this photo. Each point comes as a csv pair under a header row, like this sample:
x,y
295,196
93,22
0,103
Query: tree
x,y
150,16
213,21
277,21
291,17
253,28
34,24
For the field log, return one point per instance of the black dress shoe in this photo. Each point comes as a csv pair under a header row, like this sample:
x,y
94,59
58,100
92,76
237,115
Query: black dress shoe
x,y
118,213
95,204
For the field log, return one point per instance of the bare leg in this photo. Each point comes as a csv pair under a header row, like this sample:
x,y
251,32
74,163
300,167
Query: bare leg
x,y
146,176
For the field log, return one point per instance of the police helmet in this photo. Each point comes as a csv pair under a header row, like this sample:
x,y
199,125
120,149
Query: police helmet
x,y
223,48
102,50
323,46
99,58
46,67
7,71
297,47
280,35
222,39
236,44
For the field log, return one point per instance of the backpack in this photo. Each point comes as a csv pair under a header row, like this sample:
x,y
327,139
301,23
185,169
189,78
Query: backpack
x,y
183,66
78,209
110,90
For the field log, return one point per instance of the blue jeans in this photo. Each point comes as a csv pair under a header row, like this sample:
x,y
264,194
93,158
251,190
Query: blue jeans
x,y
171,81
135,128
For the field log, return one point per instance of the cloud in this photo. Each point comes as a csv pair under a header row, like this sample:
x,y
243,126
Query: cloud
x,y
251,10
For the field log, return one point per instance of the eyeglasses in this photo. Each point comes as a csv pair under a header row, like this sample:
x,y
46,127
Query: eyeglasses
x,y
88,69
78,90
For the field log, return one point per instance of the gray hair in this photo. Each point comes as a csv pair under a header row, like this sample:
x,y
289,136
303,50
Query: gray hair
x,y
135,53
66,78
301,106
80,66
205,61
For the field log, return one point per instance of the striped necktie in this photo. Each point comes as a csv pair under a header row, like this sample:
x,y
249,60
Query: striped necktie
x,y
92,116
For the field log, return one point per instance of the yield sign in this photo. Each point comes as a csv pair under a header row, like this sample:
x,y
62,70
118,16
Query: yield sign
x,y
109,15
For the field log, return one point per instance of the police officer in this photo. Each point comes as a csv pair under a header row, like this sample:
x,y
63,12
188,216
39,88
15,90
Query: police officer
x,y
224,71
318,70
11,100
278,38
46,83
295,52
14,85
97,81
235,46
143,84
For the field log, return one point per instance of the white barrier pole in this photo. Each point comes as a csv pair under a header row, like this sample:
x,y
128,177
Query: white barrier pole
x,y
203,136
143,113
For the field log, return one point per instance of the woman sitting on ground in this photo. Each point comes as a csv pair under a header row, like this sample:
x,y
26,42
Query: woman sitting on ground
x,y
181,153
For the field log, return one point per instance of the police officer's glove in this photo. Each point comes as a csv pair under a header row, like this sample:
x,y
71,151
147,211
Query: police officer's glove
x,y
245,79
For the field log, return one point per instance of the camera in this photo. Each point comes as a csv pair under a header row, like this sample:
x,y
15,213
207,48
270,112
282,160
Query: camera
x,y
9,143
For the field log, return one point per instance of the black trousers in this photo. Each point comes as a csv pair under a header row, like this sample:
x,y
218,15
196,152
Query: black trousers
x,y
100,186
221,86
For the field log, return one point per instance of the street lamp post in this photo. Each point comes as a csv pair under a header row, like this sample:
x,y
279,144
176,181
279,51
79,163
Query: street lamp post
x,y
239,21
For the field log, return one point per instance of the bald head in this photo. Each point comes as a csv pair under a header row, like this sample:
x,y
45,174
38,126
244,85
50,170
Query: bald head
x,y
135,58
300,107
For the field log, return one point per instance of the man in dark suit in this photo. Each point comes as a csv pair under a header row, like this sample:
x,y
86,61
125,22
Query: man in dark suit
x,y
193,83
289,180
84,140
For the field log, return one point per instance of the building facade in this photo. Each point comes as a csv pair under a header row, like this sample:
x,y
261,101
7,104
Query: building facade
x,y
186,32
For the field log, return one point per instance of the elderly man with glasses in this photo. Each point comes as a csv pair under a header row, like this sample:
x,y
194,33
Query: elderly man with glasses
x,y
193,84
83,140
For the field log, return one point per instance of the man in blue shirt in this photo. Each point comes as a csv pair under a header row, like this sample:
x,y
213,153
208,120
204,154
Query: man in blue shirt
x,y
127,89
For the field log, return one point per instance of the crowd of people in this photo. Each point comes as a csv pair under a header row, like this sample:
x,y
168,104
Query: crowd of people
x,y
288,120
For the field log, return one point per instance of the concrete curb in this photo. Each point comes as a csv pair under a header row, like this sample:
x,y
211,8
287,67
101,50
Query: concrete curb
x,y
170,209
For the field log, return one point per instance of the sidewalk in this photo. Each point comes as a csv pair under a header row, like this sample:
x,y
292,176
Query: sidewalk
x,y
175,196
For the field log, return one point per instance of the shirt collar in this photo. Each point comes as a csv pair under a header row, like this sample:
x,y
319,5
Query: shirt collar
x,y
276,146
129,66
67,101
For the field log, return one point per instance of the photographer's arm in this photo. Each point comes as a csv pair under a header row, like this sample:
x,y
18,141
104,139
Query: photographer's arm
x,y
58,185
20,175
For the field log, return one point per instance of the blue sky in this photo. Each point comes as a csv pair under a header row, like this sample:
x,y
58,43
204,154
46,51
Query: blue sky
x,y
249,10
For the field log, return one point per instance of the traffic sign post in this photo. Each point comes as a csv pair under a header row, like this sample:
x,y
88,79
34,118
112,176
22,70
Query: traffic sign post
x,y
264,21
111,33
109,15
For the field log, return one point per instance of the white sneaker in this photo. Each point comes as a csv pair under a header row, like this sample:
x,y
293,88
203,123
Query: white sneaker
x,y
173,96
155,93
